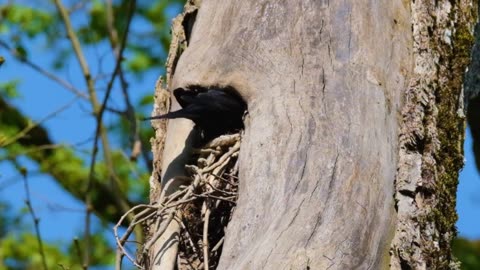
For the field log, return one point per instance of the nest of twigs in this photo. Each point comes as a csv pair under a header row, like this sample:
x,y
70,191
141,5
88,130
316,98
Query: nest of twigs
x,y
203,208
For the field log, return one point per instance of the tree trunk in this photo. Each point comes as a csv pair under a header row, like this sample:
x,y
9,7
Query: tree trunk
x,y
353,140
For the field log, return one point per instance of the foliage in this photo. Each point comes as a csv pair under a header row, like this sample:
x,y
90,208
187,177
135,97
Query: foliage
x,y
467,252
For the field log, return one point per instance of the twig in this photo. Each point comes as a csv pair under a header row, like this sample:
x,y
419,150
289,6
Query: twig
x,y
222,191
98,110
31,126
228,199
205,237
93,100
36,220
78,250
130,111
42,71
189,237
118,259
117,68
218,245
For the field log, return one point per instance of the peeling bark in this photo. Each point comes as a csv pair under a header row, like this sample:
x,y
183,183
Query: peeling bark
x,y
431,139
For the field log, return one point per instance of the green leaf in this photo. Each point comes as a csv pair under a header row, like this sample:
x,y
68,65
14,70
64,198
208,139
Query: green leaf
x,y
140,62
9,89
146,100
467,252
31,21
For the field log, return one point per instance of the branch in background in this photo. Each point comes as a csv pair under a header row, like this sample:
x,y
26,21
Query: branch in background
x,y
42,71
57,160
100,131
78,250
36,220
118,51
130,112
31,126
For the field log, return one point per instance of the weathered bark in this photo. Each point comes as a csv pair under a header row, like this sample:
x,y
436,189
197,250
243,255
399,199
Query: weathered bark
x,y
431,140
329,85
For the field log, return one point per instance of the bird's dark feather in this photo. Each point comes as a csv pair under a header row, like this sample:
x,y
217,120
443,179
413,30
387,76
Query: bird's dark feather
x,y
214,111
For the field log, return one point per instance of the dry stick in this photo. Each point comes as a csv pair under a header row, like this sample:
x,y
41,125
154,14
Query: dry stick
x,y
190,240
173,203
159,232
178,203
36,221
222,159
218,245
143,219
129,229
223,140
205,237
221,191
175,195
121,251
208,196
118,260
163,195
225,180
120,242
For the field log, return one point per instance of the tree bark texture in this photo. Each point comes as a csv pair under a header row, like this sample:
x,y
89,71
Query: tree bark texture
x,y
353,139
432,134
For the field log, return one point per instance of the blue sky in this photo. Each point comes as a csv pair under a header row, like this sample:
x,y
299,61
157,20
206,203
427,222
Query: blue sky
x,y
468,195
61,215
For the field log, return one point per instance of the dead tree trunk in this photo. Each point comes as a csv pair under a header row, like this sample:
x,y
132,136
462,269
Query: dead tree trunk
x,y
353,140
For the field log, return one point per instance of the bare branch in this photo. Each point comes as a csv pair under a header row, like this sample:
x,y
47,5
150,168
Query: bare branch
x,y
118,51
31,126
205,237
93,99
79,251
43,71
36,220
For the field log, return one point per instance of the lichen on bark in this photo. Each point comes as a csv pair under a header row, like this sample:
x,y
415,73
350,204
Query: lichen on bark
x,y
432,133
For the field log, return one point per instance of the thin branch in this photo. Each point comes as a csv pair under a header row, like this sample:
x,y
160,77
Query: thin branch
x,y
98,111
43,71
31,126
78,250
76,48
36,220
93,100
101,109
117,67
88,218
118,51
205,236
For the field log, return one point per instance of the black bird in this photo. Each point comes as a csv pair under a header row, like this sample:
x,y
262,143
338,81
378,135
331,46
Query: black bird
x,y
214,111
